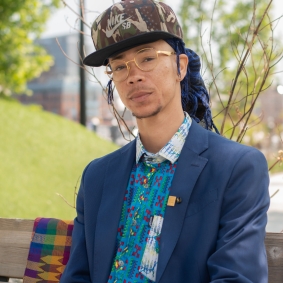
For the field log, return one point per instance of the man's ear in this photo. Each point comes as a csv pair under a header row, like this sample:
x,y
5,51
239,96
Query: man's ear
x,y
184,61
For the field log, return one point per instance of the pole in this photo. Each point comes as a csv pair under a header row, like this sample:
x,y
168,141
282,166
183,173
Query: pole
x,y
82,72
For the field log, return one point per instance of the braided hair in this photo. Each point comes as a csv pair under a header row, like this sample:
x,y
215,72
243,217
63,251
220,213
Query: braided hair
x,y
195,98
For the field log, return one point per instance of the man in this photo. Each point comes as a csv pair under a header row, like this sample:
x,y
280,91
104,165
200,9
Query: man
x,y
179,203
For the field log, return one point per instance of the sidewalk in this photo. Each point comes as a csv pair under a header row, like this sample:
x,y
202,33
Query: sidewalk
x,y
276,183
275,212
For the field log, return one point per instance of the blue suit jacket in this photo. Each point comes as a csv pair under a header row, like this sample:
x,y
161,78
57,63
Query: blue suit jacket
x,y
216,234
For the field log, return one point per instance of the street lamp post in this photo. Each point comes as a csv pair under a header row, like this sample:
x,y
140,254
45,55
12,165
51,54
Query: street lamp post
x,y
82,72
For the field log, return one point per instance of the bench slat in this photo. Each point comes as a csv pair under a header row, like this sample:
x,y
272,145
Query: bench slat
x,y
274,251
15,235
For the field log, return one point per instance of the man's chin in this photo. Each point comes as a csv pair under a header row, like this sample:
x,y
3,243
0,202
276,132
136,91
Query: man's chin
x,y
147,115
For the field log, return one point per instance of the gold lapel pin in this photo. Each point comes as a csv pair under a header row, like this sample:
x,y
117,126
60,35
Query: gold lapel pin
x,y
172,200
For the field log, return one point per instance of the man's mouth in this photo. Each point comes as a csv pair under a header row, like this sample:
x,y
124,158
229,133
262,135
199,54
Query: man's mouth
x,y
140,96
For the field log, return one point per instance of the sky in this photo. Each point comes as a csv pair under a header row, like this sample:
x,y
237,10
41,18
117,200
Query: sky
x,y
57,24
61,20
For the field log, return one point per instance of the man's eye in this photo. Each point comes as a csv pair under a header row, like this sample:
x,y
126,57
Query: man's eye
x,y
118,68
148,59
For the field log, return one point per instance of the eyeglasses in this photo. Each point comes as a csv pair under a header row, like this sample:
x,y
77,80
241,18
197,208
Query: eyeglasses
x,y
145,59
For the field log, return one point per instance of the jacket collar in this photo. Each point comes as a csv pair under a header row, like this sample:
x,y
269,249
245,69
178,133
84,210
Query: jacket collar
x,y
189,168
172,150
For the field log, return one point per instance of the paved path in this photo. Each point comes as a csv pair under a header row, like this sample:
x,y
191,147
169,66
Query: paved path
x,y
276,183
275,212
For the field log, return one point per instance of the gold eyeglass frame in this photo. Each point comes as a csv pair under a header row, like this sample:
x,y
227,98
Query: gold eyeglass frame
x,y
167,53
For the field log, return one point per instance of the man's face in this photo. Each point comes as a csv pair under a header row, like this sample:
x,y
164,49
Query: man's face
x,y
146,94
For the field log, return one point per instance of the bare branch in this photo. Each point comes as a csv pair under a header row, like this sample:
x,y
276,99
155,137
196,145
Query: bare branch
x,y
242,64
271,22
76,13
275,193
79,65
77,30
72,206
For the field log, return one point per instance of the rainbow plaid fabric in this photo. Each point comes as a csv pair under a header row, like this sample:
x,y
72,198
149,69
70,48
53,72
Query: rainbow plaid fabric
x,y
49,250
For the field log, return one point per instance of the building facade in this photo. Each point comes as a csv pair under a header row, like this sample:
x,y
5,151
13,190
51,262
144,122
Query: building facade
x,y
57,90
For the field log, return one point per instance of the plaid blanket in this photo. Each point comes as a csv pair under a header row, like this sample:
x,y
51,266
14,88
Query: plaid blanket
x,y
49,250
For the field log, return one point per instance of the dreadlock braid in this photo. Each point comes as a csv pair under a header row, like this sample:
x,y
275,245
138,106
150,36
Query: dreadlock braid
x,y
195,98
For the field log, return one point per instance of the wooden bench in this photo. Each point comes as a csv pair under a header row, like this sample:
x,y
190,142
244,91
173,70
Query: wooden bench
x,y
15,235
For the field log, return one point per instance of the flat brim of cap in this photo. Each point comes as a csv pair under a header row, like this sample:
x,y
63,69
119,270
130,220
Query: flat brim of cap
x,y
100,57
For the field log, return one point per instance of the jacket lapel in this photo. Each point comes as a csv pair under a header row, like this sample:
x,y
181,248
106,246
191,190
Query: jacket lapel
x,y
189,167
116,182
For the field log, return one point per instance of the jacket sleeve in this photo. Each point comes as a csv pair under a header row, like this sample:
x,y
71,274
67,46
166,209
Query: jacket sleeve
x,y
240,254
77,269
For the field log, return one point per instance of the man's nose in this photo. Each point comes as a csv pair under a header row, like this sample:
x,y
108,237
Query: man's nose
x,y
135,73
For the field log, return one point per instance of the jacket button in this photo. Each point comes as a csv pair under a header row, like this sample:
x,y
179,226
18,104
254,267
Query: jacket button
x,y
178,200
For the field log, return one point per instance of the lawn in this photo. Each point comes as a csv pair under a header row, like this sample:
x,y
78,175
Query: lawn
x,y
42,155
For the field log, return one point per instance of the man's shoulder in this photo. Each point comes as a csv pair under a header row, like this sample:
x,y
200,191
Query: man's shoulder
x,y
223,146
226,144
102,162
225,151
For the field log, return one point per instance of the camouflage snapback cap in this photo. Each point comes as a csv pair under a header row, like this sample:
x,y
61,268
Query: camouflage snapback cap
x,y
130,23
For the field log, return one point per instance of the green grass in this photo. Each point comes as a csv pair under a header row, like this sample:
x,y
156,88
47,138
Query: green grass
x,y
42,154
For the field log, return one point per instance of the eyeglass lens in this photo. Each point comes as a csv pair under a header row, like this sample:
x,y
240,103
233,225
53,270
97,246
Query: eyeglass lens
x,y
145,59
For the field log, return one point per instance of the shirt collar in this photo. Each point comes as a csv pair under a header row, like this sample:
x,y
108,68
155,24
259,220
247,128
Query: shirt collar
x,y
172,150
